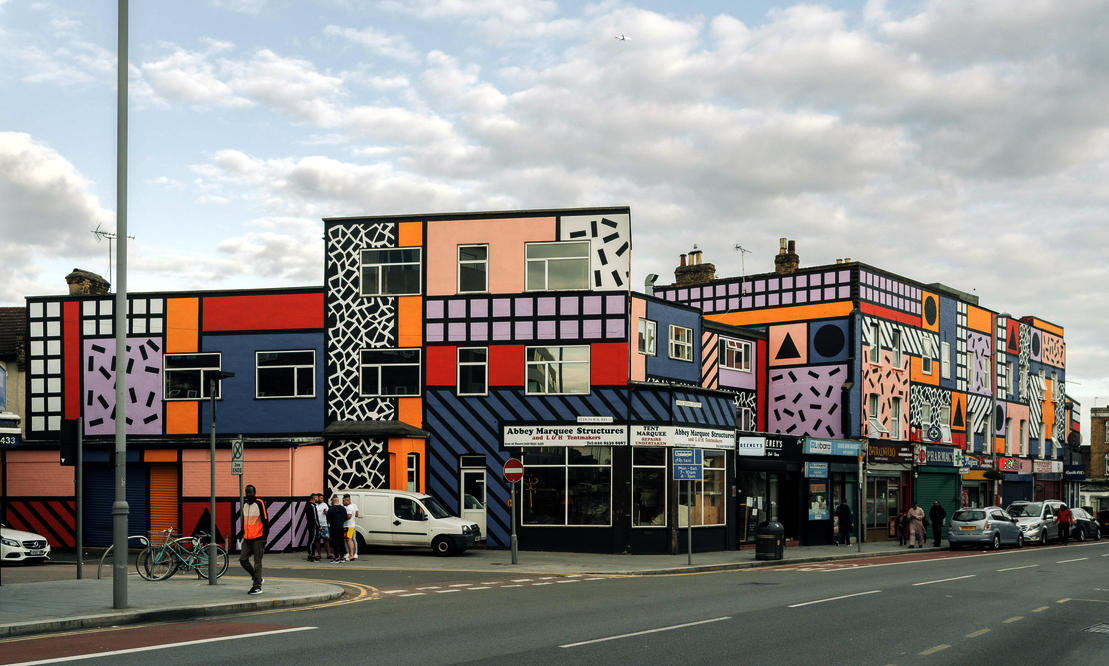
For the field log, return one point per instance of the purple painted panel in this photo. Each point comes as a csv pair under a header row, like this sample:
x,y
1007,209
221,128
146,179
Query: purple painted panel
x,y
746,302
773,284
479,308
591,328
524,307
773,299
805,400
845,291
829,293
733,303
546,306
479,331
814,295
707,306
733,289
524,330
546,330
735,379
760,300
802,296
978,358
568,330
614,304
829,278
570,304
721,304
760,285
456,310
844,277
670,296
502,330
435,309
748,288
787,282
434,332
591,305
144,383
614,328
683,294
502,307
802,281
787,298
456,331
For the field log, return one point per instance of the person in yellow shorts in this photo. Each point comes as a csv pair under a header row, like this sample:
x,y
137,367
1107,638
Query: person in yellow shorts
x,y
348,526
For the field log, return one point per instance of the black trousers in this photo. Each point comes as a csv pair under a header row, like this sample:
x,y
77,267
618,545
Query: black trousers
x,y
338,538
845,535
937,532
1064,533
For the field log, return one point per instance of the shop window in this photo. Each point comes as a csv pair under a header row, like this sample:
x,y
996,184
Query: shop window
x,y
473,269
391,272
186,376
567,486
649,485
285,374
557,370
735,355
558,265
473,370
647,337
708,495
681,343
945,360
390,372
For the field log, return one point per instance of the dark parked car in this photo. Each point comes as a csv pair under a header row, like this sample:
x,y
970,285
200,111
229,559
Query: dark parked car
x,y
1085,526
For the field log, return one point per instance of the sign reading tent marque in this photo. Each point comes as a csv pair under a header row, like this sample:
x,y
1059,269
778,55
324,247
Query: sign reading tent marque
x,y
683,436
566,435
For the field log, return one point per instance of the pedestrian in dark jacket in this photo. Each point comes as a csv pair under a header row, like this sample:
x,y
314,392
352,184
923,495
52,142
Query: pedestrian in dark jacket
x,y
843,512
902,528
312,518
256,528
937,516
336,516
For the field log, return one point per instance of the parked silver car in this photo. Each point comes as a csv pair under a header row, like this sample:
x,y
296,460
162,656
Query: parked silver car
x,y
1037,519
988,527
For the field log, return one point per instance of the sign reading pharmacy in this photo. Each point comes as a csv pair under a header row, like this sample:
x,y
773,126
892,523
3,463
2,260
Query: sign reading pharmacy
x,y
944,456
566,435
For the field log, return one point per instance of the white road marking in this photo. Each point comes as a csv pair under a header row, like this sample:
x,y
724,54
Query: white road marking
x,y
820,601
446,591
641,633
567,581
477,588
434,587
511,585
1075,560
393,591
522,580
534,584
414,594
943,580
1027,566
148,648
462,585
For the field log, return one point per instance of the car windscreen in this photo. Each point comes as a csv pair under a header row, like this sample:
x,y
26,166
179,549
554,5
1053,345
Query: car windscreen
x,y
969,516
1031,510
435,508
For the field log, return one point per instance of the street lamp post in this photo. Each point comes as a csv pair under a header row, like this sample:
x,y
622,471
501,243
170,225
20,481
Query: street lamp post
x,y
213,381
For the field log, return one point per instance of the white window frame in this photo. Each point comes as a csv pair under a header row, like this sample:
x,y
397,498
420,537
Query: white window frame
x,y
740,349
926,414
987,380
294,367
567,466
395,257
413,465
945,360
203,368
895,418
1022,433
945,423
528,260
468,364
1008,436
876,343
680,349
484,263
872,412
376,393
665,485
926,354
547,363
648,337
747,420
1043,434
895,346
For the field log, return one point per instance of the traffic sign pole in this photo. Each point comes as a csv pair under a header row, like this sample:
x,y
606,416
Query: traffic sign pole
x,y
513,473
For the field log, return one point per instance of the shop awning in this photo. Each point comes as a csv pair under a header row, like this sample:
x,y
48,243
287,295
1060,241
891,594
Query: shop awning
x,y
391,428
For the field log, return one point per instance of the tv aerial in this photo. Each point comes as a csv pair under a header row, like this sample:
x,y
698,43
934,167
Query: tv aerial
x,y
110,236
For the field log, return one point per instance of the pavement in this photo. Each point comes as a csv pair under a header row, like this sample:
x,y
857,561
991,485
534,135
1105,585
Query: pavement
x,y
49,605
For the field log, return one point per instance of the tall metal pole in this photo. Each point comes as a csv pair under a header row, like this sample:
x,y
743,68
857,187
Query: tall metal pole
x,y
512,510
119,507
689,522
212,510
79,473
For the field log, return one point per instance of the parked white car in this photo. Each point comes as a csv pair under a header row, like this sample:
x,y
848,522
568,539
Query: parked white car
x,y
19,546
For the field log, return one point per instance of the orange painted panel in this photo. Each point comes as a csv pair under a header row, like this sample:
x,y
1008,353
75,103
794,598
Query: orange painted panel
x,y
307,470
958,411
182,326
979,320
1046,326
916,369
154,455
1047,407
410,321
182,418
399,448
164,496
638,361
505,238
263,312
930,305
410,234
789,345
608,364
411,411
793,313
37,474
268,470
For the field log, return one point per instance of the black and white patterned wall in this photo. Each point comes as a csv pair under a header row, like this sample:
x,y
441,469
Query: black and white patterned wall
x,y
355,463
961,346
800,288
44,368
609,243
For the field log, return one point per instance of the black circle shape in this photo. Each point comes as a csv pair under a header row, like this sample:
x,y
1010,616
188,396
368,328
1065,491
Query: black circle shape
x,y
1035,343
930,311
999,418
829,340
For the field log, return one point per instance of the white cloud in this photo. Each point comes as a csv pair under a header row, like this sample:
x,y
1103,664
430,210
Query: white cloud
x,y
390,46
242,6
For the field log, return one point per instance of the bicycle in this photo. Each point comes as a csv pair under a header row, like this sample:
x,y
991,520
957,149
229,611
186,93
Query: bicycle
x,y
161,561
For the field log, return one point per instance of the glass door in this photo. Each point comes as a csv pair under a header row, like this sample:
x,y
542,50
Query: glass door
x,y
473,498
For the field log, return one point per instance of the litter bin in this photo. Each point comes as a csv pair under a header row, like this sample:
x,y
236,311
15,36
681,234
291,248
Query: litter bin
x,y
770,540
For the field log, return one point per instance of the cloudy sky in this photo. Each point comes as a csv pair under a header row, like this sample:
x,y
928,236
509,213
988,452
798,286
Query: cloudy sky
x,y
955,141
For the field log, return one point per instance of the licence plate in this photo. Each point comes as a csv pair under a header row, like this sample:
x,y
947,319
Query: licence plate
x,y
964,527
37,552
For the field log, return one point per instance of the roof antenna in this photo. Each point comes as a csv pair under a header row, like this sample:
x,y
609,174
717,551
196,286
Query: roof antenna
x,y
100,235
743,268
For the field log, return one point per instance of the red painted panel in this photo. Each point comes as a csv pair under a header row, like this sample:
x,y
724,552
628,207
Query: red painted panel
x,y
53,519
959,439
761,361
71,341
892,315
608,364
441,364
263,312
506,365
195,517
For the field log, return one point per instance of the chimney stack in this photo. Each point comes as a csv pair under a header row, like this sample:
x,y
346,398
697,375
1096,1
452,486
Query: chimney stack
x,y
83,283
694,271
786,261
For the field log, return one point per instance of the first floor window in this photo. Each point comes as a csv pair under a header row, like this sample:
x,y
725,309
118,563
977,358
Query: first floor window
x,y
473,370
647,334
185,375
945,423
567,486
557,370
926,355
895,418
390,372
285,374
872,414
681,343
746,420
391,272
875,344
945,360
926,415
649,484
707,496
473,268
557,265
735,355
895,347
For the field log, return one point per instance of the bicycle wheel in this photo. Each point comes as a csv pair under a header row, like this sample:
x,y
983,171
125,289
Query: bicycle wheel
x,y
155,563
221,563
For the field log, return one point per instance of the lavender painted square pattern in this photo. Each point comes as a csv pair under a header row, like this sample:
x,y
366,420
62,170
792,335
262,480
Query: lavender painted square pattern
x,y
591,329
760,300
733,303
760,285
814,295
546,306
479,308
721,304
845,291
570,304
435,309
787,282
829,293
524,330
456,309
844,277
591,305
746,302
502,307
801,296
706,306
814,279
546,330
614,328
802,281
773,284
456,331
787,298
773,299
479,331
524,307
614,303
502,330
733,289
829,278
568,330
434,332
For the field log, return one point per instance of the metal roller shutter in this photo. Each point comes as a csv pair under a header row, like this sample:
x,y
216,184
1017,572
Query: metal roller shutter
x,y
164,498
100,495
942,486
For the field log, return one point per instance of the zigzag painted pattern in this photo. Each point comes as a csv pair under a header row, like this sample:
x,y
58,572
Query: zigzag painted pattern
x,y
921,394
710,353
54,519
288,529
355,463
979,408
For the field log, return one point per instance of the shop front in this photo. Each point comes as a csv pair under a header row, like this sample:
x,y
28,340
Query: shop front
x,y
1047,479
889,467
976,487
1016,480
831,473
937,478
769,484
1073,476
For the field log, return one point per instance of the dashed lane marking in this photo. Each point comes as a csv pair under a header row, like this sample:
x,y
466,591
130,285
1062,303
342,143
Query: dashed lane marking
x,y
1074,560
1013,619
1028,566
943,580
933,650
1062,601
1040,609
846,596
446,591
414,594
978,633
641,633
478,588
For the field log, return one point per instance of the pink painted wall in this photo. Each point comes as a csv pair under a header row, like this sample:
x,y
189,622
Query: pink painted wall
x,y
37,474
506,240
268,470
307,470
638,361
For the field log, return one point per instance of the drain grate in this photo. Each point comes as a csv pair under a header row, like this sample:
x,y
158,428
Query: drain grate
x,y
1098,629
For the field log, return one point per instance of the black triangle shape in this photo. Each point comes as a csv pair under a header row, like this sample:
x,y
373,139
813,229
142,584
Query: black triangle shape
x,y
787,350
958,420
1013,345
204,524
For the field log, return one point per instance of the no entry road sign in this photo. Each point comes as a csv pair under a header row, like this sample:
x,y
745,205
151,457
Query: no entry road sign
x,y
513,470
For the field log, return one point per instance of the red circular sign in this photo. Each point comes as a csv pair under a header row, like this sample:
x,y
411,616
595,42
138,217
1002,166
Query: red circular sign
x,y
513,470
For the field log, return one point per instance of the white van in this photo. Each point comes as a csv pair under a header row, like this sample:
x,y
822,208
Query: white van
x,y
405,518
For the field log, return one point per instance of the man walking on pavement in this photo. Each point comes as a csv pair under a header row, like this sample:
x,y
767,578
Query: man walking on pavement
x,y
256,527
843,512
937,516
916,526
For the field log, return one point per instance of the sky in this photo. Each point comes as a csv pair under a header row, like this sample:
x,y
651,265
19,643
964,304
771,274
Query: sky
x,y
956,141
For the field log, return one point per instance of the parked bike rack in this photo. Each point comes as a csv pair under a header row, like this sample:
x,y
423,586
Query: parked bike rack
x,y
145,543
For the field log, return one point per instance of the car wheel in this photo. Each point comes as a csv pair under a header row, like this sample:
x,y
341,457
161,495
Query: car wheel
x,y
1043,537
996,545
1080,534
1020,539
1097,534
443,546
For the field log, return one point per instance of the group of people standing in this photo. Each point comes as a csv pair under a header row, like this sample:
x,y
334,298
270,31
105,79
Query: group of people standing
x,y
332,528
912,525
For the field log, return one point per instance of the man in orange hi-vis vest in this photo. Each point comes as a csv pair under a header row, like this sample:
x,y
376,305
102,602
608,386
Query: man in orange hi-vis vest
x,y
256,527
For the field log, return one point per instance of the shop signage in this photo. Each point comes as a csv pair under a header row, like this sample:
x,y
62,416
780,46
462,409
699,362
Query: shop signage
x,y
943,456
785,448
569,435
832,447
688,465
754,447
652,435
977,462
701,438
816,470
594,419
890,452
1074,472
688,403
818,501
1047,467
1014,465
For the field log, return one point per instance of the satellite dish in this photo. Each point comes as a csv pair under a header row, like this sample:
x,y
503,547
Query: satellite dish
x,y
1074,439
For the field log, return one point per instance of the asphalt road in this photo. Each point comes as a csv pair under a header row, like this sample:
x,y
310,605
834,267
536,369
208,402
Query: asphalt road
x,y
1029,606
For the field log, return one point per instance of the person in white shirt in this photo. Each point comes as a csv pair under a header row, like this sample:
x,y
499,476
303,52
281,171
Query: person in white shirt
x,y
352,513
322,533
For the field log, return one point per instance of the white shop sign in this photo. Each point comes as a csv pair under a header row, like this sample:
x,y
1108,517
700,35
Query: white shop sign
x,y
570,435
